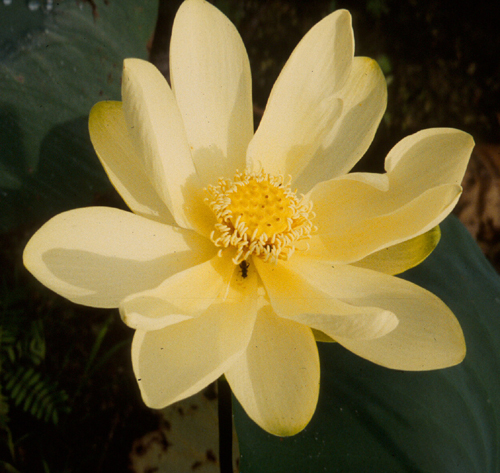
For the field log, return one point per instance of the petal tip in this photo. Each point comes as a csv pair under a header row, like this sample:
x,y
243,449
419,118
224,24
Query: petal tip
x,y
131,62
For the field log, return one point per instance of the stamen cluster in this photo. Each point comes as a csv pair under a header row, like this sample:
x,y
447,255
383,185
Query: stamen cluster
x,y
259,215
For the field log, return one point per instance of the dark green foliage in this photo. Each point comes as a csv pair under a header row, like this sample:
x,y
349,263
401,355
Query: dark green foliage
x,y
23,380
4,411
36,394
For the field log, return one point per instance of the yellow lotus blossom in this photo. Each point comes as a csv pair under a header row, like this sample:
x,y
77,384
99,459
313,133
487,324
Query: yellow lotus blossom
x,y
243,249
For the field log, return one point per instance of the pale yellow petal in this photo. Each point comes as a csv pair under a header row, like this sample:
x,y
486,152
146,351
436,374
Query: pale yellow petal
x,y
364,98
212,83
97,256
276,380
304,103
429,158
157,132
184,295
361,213
428,335
403,256
112,143
366,219
179,360
294,298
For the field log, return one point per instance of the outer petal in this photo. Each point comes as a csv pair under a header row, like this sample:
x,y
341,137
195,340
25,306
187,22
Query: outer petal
x,y
366,219
374,211
294,298
364,97
97,256
403,256
429,158
428,335
112,143
156,129
276,380
304,103
179,360
211,80
184,295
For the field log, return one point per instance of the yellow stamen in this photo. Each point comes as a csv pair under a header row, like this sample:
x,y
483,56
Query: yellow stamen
x,y
259,215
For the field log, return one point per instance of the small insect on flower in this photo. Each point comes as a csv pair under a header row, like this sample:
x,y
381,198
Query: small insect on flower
x,y
244,269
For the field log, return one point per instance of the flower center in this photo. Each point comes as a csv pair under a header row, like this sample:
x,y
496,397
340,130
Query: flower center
x,y
259,215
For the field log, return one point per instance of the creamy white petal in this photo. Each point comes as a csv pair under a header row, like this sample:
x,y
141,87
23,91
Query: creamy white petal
x,y
364,98
355,219
179,360
97,256
428,335
110,137
157,132
305,102
276,379
294,298
212,83
184,295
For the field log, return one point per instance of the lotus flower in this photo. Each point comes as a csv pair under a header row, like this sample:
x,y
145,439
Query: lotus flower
x,y
243,250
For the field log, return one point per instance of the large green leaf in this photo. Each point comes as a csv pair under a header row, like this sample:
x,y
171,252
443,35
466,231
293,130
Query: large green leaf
x,y
54,65
379,420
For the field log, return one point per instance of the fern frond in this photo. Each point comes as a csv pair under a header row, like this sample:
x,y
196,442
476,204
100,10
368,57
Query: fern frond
x,y
35,394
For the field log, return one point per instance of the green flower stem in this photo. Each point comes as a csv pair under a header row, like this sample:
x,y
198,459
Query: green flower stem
x,y
225,426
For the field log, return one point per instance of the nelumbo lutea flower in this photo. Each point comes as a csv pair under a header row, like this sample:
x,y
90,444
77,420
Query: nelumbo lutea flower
x,y
242,250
